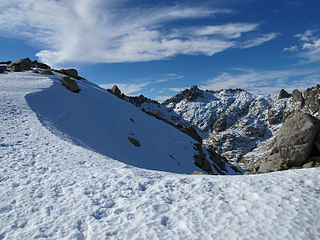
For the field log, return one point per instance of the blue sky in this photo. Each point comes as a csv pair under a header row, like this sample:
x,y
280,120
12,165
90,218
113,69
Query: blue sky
x,y
157,48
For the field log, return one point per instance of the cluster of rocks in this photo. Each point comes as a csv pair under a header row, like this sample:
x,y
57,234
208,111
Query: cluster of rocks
x,y
296,146
26,64
188,95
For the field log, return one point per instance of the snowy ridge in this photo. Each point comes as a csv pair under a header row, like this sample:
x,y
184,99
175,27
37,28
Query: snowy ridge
x,y
54,189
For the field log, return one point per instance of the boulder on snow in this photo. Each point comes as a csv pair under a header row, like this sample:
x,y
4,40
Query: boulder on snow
x,y
70,84
116,91
134,141
20,65
2,69
294,145
71,73
283,94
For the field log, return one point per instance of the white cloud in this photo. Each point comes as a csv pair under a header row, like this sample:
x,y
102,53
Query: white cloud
x,y
233,30
106,31
290,49
264,82
259,40
309,46
169,77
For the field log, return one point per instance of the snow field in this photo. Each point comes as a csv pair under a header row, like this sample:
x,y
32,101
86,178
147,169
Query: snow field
x,y
53,189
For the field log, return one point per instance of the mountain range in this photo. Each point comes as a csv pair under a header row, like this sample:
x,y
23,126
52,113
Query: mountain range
x,y
77,162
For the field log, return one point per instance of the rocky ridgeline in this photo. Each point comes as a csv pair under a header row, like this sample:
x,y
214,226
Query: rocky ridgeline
x,y
206,159
25,64
237,125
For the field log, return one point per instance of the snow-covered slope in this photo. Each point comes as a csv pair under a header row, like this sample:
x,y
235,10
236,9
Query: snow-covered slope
x,y
52,188
98,120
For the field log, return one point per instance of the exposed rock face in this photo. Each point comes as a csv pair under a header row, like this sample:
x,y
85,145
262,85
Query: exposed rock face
x,y
70,84
297,98
138,101
116,91
276,111
2,69
283,94
71,73
294,146
188,95
21,65
312,100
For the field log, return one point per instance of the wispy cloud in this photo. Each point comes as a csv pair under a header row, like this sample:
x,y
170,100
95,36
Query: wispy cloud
x,y
169,77
309,48
290,49
264,82
259,40
232,30
108,31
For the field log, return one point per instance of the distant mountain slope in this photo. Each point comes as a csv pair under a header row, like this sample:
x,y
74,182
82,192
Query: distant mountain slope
x,y
235,123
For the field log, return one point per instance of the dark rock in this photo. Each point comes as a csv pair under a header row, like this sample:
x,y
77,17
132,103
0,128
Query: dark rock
x,y
21,65
2,69
294,144
37,64
69,72
276,112
117,92
35,71
221,123
312,100
283,94
70,84
201,160
134,141
191,131
297,98
188,95
138,101
46,72
7,62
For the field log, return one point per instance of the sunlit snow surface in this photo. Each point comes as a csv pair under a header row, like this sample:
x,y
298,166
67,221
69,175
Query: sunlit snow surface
x,y
54,189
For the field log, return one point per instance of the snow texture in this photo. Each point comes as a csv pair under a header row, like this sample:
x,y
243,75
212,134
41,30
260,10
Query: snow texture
x,y
52,188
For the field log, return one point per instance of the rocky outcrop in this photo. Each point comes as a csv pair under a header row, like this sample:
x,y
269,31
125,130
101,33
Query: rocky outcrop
x,y
116,91
188,95
294,146
73,73
21,65
276,111
2,69
312,100
283,94
70,84
140,100
297,98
